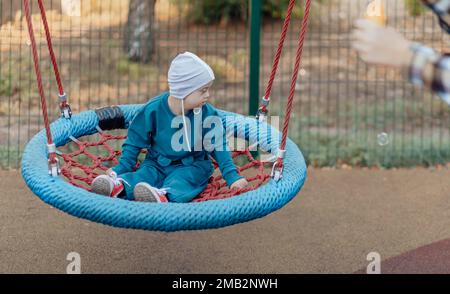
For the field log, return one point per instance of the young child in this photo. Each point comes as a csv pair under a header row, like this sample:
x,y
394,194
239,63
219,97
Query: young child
x,y
171,173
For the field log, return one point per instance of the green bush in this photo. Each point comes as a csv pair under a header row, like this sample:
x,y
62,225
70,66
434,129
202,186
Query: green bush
x,y
277,9
415,7
215,11
5,88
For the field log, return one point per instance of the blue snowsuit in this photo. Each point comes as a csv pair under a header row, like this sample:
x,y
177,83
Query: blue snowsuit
x,y
185,173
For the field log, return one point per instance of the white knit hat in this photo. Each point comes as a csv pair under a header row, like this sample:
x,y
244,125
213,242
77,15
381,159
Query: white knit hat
x,y
188,73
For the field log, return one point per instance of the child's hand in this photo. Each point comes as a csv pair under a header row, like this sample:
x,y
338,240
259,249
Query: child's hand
x,y
239,184
380,45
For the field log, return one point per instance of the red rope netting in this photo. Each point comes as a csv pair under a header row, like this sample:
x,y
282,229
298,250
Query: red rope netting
x,y
81,175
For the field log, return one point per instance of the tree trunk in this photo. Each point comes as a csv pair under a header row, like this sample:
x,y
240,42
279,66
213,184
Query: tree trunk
x,y
139,39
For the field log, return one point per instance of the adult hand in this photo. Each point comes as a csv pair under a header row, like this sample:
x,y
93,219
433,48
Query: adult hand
x,y
239,184
381,45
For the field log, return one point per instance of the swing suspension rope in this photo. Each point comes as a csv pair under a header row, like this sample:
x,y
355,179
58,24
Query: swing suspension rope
x,y
217,188
53,160
277,169
63,105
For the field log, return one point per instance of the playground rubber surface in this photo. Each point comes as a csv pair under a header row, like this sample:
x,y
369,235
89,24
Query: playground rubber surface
x,y
339,217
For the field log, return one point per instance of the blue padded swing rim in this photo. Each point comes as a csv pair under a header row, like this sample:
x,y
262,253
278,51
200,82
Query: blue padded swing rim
x,y
151,216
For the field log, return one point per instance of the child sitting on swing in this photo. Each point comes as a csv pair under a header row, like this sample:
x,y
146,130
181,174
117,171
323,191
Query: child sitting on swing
x,y
172,171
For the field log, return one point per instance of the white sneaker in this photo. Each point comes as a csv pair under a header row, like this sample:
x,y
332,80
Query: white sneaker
x,y
105,185
146,193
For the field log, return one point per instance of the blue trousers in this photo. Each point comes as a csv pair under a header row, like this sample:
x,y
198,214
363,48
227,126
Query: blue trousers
x,y
183,182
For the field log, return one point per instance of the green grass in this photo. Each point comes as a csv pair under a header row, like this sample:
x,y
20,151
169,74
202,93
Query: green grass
x,y
5,87
364,150
9,158
135,70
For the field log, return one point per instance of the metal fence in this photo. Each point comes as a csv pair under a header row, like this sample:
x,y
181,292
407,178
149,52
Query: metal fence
x,y
345,112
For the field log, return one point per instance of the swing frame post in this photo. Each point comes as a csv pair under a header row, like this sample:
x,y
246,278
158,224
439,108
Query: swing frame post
x,y
255,52
254,60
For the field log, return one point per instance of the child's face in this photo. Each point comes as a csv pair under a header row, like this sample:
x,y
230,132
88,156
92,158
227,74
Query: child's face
x,y
197,98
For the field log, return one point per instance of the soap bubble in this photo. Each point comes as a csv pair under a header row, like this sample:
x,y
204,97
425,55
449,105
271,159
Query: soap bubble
x,y
383,139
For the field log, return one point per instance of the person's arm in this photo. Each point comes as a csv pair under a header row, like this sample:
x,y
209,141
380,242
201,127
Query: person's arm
x,y
226,165
423,66
442,9
138,139
219,149
430,69
438,6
